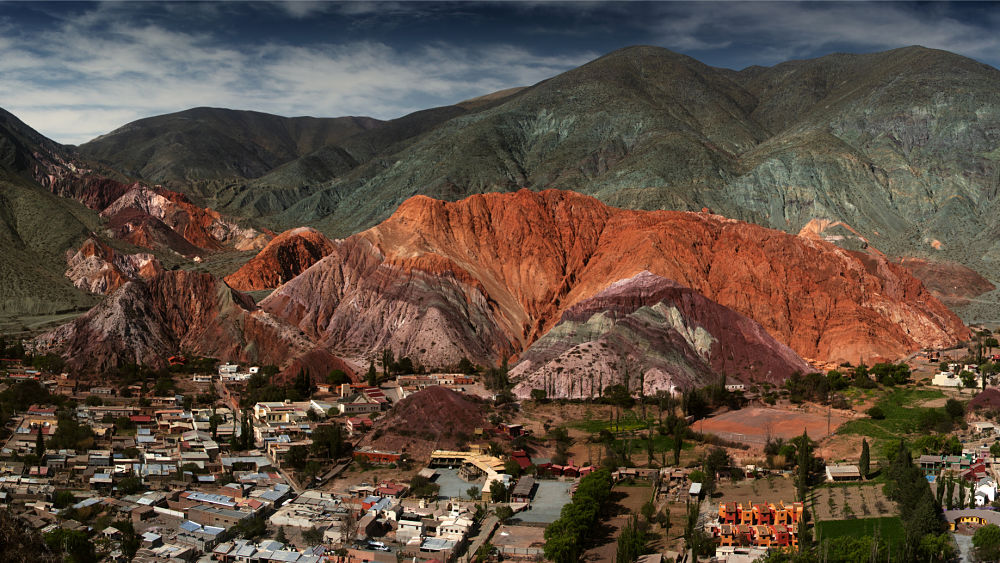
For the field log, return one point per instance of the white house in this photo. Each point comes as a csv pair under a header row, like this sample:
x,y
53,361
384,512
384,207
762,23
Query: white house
x,y
950,379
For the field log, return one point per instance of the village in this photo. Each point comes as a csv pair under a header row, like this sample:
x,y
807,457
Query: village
x,y
215,462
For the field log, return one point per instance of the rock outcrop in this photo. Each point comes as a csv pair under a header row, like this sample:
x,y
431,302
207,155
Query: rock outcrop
x,y
430,419
488,276
664,335
145,322
286,256
142,206
952,283
98,268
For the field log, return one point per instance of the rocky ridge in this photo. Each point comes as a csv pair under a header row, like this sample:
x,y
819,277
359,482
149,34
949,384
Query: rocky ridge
x,y
144,322
488,276
98,268
285,256
665,335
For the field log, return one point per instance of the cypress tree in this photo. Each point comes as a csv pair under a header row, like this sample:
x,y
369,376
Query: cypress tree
x,y
372,374
680,430
804,461
40,446
865,463
950,501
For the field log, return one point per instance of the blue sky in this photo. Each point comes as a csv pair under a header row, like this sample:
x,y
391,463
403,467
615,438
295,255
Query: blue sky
x,y
77,70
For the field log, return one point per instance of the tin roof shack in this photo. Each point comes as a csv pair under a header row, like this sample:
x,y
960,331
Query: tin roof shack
x,y
524,490
842,473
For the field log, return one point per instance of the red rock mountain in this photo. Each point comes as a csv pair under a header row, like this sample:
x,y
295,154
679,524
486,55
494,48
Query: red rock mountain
x,y
489,275
952,283
664,335
176,311
98,268
286,256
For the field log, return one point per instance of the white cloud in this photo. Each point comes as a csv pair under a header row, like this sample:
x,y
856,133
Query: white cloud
x,y
784,30
75,83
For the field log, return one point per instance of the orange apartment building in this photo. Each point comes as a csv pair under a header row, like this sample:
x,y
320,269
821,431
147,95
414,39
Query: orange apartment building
x,y
758,524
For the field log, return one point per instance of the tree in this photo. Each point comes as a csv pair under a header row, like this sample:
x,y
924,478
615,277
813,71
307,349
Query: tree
x,y
498,492
538,395
986,541
631,542
387,361
804,461
297,456
950,493
337,377
75,546
649,511
130,485
421,487
328,440
955,409
465,366
40,445
280,536
504,513
252,528
680,431
130,540
864,464
372,374
312,536
876,412
473,493
968,379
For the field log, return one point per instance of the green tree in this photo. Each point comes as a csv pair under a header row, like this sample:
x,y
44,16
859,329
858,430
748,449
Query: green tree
x,y
337,377
473,493
130,541
504,513
498,492
421,487
538,395
297,456
252,528
955,409
865,464
649,511
280,536
631,542
130,485
40,445
74,545
680,431
372,377
312,536
387,362
804,465
986,541
328,440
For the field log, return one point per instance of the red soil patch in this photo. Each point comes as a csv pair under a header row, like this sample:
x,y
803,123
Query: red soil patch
x,y
754,425
988,399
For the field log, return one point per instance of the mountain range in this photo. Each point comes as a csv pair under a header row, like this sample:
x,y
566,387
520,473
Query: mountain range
x,y
799,197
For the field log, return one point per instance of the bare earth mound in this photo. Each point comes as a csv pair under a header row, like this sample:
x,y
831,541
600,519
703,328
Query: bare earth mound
x,y
430,419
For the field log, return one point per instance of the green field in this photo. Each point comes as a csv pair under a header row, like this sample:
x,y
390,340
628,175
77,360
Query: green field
x,y
890,529
634,428
900,414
